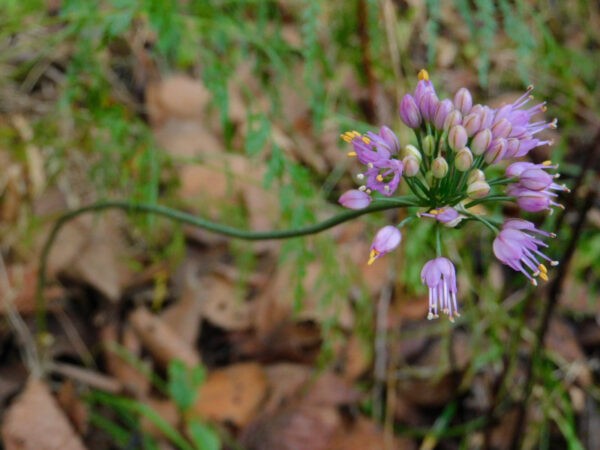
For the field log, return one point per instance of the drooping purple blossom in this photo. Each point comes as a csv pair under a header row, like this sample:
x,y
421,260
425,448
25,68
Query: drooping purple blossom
x,y
518,246
386,240
439,275
446,215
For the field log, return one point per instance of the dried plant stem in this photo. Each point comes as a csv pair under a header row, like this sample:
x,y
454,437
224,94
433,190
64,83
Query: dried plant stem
x,y
30,354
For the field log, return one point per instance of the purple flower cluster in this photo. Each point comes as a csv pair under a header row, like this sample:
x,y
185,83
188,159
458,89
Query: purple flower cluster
x,y
456,141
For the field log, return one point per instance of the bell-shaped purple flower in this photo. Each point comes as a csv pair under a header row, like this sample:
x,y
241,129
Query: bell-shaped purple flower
x,y
439,275
386,240
518,246
355,199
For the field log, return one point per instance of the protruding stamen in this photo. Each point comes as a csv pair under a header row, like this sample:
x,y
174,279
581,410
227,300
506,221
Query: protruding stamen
x,y
554,263
553,124
379,178
366,140
543,268
530,88
547,163
360,176
370,165
533,282
423,75
544,276
351,153
430,315
362,188
372,256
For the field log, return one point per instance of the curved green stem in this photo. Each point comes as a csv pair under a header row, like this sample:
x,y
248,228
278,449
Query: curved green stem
x,y
183,217
490,198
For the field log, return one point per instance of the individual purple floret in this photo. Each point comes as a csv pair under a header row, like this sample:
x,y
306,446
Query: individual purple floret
x,y
518,247
383,172
534,189
440,277
446,215
355,199
386,240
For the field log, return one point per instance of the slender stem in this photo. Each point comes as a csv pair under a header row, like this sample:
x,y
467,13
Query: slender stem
x,y
438,240
486,222
490,198
180,216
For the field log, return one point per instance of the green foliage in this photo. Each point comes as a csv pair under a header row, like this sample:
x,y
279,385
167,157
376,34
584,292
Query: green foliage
x,y
183,383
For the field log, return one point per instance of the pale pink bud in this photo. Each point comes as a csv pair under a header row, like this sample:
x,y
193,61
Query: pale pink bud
x,y
496,151
472,123
411,166
454,118
478,189
481,141
463,100
386,240
463,160
457,137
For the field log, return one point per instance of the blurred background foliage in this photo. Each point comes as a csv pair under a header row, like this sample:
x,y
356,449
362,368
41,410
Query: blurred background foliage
x,y
283,79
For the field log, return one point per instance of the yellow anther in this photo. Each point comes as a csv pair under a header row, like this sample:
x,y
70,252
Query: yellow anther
x,y
544,109
434,212
372,256
351,153
543,268
423,75
366,140
544,276
547,163
379,178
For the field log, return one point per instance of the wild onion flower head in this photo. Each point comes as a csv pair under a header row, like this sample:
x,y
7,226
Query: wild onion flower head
x,y
445,171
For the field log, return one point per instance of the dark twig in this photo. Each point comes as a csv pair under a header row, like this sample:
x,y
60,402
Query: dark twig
x,y
556,286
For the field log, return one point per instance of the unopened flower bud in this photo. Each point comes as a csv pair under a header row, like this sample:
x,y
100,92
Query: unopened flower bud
x,y
411,166
457,137
439,167
429,178
409,111
428,145
481,141
463,160
496,151
355,199
411,150
428,105
501,129
454,118
463,100
441,112
476,175
479,189
487,117
472,123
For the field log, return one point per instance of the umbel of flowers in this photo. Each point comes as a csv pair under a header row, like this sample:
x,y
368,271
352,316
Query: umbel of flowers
x,y
456,142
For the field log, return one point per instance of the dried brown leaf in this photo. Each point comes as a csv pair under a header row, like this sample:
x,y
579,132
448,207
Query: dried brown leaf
x,y
35,422
164,344
233,394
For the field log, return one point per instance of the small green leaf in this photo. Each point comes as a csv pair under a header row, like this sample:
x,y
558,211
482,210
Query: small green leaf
x,y
203,437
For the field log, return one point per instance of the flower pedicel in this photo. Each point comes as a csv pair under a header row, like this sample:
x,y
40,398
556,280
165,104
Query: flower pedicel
x,y
445,172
